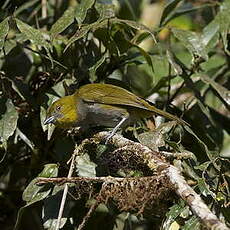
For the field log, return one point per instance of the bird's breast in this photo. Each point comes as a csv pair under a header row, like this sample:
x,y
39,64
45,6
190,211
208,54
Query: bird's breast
x,y
95,114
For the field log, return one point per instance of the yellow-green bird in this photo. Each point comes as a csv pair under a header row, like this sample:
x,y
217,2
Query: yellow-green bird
x,y
102,105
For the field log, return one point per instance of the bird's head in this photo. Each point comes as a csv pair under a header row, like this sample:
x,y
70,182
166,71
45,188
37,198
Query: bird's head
x,y
62,112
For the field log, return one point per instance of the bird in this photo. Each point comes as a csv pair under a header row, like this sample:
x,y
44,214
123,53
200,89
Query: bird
x,y
99,104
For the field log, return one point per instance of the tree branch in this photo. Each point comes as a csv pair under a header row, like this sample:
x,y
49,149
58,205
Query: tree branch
x,y
156,163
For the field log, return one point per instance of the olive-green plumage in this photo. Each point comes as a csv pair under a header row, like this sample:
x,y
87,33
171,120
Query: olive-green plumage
x,y
102,105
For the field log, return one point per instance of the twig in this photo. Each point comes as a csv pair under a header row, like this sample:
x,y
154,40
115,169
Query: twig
x,y
108,179
71,169
87,216
44,9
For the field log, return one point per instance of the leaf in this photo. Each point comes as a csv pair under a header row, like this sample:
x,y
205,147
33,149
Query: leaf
x,y
203,167
24,138
193,223
102,23
78,35
136,25
105,8
82,9
202,144
4,29
51,209
34,35
93,69
204,188
192,41
205,110
34,192
210,35
28,213
179,12
8,120
63,22
84,30
223,19
168,10
25,6
155,139
173,213
223,120
222,91
85,167
146,56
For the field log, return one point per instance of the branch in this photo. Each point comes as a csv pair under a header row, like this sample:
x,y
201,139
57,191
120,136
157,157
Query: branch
x,y
107,179
62,205
156,163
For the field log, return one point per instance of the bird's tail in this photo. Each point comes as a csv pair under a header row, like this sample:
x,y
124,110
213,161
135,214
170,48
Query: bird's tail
x,y
168,115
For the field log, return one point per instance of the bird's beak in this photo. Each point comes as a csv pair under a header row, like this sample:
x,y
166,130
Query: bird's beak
x,y
49,120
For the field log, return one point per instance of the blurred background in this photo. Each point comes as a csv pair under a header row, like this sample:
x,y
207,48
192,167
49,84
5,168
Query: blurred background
x,y
173,53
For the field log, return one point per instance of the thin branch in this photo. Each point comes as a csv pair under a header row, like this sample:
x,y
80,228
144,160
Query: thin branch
x,y
62,205
87,216
108,179
44,9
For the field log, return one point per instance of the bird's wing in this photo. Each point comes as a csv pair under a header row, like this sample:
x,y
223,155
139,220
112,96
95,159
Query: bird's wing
x,y
111,95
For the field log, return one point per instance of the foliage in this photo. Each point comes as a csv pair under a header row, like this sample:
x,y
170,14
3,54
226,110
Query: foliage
x,y
48,51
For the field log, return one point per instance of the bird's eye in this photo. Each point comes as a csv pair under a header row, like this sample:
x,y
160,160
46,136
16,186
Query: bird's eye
x,y
58,108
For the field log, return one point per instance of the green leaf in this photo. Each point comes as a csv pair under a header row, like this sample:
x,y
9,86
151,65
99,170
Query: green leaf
x,y
82,9
50,170
4,29
192,41
136,25
192,224
51,209
78,35
155,139
34,192
202,144
146,56
222,91
168,10
205,110
63,22
34,35
223,19
210,35
93,69
203,167
179,12
204,188
23,137
85,167
28,213
105,8
84,30
25,6
173,213
8,120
